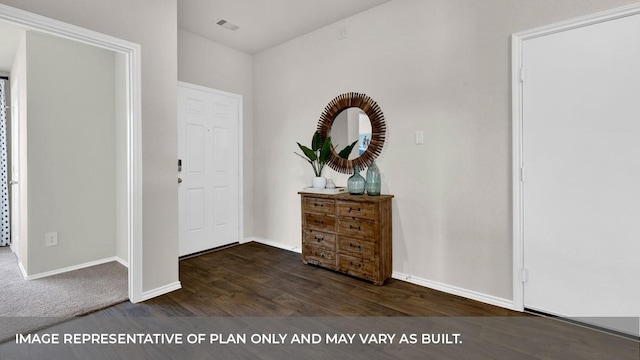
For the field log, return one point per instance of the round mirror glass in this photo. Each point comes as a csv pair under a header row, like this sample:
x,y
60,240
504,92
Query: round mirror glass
x,y
351,126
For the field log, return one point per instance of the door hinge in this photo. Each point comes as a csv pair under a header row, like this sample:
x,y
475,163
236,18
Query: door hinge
x,y
522,174
522,75
523,275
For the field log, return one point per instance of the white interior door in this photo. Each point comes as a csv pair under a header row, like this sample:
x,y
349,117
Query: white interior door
x,y
581,157
208,142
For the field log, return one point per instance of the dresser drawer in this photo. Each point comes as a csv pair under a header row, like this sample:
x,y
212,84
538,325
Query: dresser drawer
x,y
319,206
320,222
320,239
363,229
356,266
357,209
319,256
356,247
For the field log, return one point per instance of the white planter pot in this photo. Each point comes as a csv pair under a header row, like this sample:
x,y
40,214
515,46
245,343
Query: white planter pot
x,y
318,182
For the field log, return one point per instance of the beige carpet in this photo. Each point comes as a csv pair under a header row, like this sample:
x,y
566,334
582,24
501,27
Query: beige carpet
x,y
30,305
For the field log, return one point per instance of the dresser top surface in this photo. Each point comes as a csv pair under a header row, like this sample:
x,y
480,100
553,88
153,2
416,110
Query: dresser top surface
x,y
347,196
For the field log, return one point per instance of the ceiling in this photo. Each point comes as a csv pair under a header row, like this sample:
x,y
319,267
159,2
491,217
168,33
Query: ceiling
x,y
264,23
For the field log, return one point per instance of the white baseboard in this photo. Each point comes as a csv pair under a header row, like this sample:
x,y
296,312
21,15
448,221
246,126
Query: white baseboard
x,y
275,244
469,294
122,262
22,270
69,268
160,291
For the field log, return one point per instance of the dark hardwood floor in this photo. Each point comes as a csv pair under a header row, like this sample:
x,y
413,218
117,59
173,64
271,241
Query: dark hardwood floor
x,y
257,290
258,280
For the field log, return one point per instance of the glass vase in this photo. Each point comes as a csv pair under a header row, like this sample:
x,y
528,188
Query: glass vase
x,y
374,181
356,182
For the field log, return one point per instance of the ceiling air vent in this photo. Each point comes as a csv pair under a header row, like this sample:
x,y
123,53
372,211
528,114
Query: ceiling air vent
x,y
228,25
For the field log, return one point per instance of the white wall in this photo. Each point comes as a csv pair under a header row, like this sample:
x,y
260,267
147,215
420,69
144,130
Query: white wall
x,y
442,67
153,25
70,152
207,63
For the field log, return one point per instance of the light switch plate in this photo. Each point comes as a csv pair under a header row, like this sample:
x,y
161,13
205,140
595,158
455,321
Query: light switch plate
x,y
419,137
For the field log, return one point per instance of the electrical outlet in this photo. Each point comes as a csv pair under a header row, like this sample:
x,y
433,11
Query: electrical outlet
x,y
51,239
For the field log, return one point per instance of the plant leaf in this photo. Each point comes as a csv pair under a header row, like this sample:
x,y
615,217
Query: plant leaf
x,y
315,142
307,160
308,152
325,151
347,150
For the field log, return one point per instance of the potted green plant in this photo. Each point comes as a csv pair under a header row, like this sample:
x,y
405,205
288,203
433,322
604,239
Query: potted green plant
x,y
318,154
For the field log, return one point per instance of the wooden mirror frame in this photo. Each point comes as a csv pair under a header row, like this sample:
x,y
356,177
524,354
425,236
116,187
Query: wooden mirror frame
x,y
378,129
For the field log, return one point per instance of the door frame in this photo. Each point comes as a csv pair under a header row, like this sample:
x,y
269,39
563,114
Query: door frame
x,y
518,169
240,147
131,52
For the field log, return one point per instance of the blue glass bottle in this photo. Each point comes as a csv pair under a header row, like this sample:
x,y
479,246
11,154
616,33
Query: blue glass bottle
x,y
374,181
355,184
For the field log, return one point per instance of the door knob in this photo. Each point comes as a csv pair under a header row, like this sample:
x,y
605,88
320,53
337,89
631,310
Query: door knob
x,y
179,180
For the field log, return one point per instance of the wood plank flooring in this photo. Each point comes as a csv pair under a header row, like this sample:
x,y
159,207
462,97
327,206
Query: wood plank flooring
x,y
257,289
258,280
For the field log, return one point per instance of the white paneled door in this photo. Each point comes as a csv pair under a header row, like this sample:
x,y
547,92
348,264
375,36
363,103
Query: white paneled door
x,y
209,152
581,161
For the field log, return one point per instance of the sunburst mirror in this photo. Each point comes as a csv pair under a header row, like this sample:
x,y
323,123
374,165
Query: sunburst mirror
x,y
353,118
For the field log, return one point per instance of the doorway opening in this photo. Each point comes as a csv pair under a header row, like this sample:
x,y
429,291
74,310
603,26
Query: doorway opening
x,y
128,179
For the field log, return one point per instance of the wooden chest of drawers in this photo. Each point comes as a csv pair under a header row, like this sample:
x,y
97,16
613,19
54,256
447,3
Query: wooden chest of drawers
x,y
348,233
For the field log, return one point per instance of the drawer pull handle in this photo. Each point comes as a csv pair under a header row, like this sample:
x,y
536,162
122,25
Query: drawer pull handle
x,y
320,205
351,209
353,246
319,222
354,227
351,263
319,239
